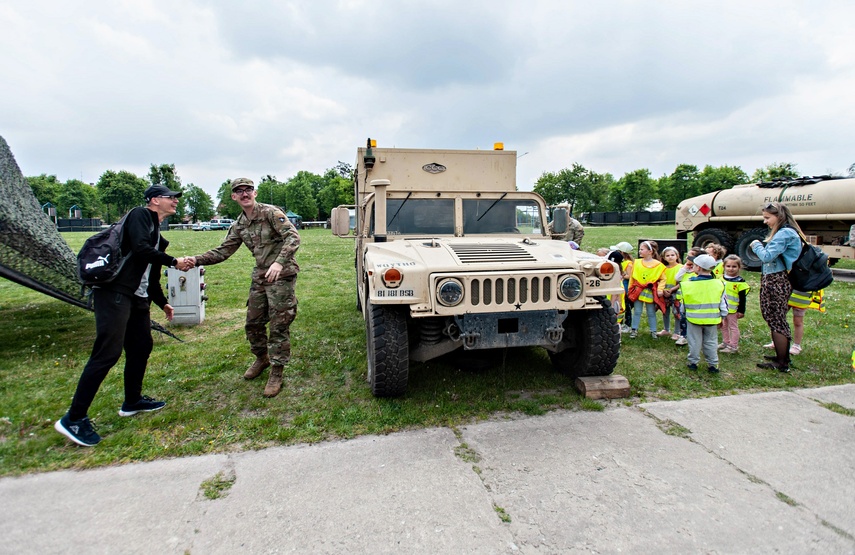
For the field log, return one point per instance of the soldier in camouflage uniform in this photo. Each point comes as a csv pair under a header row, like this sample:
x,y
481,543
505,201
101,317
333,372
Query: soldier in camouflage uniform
x,y
274,241
574,232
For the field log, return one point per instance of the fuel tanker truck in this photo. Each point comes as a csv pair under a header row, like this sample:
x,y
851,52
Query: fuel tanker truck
x,y
823,206
449,255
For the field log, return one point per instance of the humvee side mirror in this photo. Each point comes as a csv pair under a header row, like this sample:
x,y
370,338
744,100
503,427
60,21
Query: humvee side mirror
x,y
559,221
340,221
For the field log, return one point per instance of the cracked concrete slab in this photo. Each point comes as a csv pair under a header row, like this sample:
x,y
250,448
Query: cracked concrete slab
x,y
406,493
137,508
843,395
614,482
801,449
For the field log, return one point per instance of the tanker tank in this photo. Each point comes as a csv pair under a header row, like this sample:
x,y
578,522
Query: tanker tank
x,y
823,206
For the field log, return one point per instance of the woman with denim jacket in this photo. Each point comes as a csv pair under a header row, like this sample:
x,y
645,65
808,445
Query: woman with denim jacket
x,y
782,247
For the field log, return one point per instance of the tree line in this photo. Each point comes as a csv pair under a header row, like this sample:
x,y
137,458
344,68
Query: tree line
x,y
586,191
309,195
313,196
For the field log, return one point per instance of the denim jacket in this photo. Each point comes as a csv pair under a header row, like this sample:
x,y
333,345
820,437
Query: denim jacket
x,y
780,252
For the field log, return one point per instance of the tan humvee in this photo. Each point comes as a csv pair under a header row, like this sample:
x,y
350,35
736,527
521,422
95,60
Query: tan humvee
x,y
450,255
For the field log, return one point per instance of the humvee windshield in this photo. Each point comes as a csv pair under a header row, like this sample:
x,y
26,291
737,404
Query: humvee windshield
x,y
435,216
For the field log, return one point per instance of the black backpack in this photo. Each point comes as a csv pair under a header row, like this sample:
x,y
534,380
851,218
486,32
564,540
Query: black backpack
x,y
101,258
810,271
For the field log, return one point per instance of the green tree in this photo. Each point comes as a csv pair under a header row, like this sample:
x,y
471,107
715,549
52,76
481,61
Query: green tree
x,y
77,193
720,178
684,182
299,198
271,191
200,206
118,192
772,171
338,190
166,175
46,188
226,207
313,181
633,192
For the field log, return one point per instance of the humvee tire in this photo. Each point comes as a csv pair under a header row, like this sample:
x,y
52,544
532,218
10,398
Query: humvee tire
x,y
591,343
388,350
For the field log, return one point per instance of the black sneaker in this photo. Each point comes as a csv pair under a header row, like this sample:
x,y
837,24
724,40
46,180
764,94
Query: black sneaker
x,y
81,432
691,366
713,369
145,404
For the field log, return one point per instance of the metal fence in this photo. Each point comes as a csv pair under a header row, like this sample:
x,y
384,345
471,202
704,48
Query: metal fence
x,y
630,218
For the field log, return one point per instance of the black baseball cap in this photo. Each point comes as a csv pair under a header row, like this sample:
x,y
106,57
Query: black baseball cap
x,y
160,191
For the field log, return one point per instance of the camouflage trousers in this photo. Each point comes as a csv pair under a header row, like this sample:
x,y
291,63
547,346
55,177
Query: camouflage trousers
x,y
273,303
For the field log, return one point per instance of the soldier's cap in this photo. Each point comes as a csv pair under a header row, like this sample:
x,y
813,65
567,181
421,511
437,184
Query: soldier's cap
x,y
623,246
159,191
705,261
242,182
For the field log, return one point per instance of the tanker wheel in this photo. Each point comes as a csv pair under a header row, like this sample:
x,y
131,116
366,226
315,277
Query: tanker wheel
x,y
743,247
388,350
713,235
591,343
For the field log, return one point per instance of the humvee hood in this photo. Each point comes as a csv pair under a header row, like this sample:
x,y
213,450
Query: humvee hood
x,y
447,254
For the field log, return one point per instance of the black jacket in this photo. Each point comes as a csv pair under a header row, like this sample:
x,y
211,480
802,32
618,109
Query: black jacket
x,y
141,239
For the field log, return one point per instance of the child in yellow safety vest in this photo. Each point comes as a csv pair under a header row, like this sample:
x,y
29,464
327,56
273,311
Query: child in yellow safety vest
x,y
799,302
687,271
705,304
717,251
646,285
736,289
671,259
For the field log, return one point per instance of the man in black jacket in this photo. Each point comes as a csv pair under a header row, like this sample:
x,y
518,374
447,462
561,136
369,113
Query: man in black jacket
x,y
122,317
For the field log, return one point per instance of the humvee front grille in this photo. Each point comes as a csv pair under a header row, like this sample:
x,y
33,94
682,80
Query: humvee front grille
x,y
513,292
482,254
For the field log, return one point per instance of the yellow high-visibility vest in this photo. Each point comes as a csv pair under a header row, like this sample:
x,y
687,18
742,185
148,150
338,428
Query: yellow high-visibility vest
x,y
702,299
732,289
644,275
814,300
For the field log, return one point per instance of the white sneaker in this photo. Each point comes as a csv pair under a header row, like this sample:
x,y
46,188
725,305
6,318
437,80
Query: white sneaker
x,y
624,328
676,336
795,349
682,341
769,346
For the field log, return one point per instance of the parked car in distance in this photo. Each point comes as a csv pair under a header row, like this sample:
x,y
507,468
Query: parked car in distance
x,y
202,226
223,223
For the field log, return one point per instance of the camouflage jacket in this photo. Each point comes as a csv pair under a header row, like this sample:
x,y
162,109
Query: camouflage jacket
x,y
268,233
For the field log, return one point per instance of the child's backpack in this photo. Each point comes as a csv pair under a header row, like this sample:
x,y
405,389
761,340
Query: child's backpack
x,y
810,271
101,258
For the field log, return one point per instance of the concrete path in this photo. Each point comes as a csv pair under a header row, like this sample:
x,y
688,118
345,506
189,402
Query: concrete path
x,y
763,473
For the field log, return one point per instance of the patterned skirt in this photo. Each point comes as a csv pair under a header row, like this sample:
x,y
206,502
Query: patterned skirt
x,y
775,291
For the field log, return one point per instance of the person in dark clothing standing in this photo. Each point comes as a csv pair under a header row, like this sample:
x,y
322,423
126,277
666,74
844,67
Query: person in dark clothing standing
x,y
122,317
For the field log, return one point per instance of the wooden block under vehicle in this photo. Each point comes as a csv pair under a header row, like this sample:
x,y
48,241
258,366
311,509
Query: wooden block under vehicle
x,y
603,387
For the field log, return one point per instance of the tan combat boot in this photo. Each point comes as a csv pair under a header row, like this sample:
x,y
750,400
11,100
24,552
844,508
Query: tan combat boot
x,y
274,382
256,368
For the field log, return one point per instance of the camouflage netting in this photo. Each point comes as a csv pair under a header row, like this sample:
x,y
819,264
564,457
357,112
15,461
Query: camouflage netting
x,y
32,252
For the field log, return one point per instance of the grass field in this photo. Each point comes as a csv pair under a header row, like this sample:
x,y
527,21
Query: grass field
x,y
45,344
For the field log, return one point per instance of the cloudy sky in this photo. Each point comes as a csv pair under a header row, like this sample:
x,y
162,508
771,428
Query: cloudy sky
x,y
224,89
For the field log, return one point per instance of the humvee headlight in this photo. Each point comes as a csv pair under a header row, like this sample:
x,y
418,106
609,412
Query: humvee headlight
x,y
570,288
449,292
